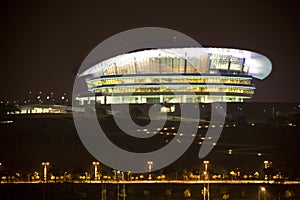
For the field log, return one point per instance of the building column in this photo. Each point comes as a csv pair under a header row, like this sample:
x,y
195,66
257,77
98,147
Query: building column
x,y
161,98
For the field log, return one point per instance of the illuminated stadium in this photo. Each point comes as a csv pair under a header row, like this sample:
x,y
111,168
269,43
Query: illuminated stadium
x,y
175,75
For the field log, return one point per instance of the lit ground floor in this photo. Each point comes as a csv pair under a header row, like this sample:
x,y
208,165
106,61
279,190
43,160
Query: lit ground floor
x,y
152,99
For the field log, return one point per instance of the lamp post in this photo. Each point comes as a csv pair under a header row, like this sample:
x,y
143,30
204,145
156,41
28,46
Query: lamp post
x,y
96,164
206,177
150,163
129,176
45,164
266,163
260,190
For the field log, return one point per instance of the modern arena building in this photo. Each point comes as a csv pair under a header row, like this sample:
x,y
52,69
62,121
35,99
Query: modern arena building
x,y
175,75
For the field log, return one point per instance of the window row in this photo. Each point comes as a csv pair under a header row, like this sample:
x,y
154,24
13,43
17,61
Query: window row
x,y
176,89
170,79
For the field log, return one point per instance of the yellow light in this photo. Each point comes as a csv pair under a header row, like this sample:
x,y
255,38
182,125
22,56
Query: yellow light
x,y
45,163
263,189
150,162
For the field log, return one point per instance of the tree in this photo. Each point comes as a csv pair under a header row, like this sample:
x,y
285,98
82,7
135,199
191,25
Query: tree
x,y
269,171
146,194
122,193
78,171
187,194
10,107
288,194
100,110
225,196
168,194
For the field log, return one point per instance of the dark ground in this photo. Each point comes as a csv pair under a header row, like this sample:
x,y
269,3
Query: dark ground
x,y
32,139
137,191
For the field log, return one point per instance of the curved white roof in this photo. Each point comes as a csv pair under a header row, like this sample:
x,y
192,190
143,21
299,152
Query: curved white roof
x,y
259,65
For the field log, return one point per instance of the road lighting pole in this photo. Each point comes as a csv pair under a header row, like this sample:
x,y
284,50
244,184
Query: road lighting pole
x,y
45,164
206,177
266,163
96,164
129,177
150,163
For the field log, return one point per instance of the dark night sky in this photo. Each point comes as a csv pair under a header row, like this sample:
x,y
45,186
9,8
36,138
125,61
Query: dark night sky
x,y
42,43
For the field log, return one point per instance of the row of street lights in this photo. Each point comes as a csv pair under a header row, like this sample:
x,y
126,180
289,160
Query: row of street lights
x,y
49,98
205,191
150,163
46,164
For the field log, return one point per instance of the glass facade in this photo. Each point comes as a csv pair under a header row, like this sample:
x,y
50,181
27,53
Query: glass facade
x,y
178,89
176,65
159,79
154,76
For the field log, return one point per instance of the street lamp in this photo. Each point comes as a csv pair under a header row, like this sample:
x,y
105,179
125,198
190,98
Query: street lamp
x,y
266,163
45,164
129,177
150,163
206,162
206,177
262,189
96,164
